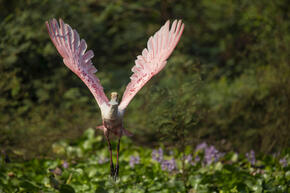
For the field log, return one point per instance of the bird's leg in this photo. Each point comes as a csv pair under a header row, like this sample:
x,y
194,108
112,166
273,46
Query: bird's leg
x,y
110,149
117,164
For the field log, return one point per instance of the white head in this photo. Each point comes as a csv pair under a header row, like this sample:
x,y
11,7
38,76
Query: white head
x,y
114,98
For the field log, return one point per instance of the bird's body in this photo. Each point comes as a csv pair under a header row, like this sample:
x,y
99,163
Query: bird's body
x,y
112,118
152,60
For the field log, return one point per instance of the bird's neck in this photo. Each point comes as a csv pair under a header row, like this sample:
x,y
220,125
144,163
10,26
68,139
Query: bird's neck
x,y
113,109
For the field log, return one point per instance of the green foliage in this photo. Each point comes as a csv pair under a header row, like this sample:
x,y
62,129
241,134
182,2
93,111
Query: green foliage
x,y
228,80
80,170
256,106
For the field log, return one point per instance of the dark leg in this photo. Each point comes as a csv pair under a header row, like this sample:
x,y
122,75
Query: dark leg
x,y
117,164
110,149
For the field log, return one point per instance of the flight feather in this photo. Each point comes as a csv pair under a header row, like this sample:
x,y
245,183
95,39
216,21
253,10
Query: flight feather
x,y
75,56
153,59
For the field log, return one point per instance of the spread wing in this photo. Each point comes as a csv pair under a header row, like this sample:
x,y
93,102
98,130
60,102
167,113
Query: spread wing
x,y
75,57
153,59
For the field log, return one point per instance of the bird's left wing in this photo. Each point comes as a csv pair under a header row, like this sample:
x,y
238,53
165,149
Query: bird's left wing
x,y
153,59
75,57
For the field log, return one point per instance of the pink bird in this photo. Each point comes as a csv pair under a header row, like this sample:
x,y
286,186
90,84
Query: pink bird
x,y
152,60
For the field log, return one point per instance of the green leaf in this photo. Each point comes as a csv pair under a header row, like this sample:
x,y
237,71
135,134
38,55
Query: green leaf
x,y
65,188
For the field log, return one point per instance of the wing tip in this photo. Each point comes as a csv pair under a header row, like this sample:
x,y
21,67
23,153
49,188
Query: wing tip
x,y
47,25
54,20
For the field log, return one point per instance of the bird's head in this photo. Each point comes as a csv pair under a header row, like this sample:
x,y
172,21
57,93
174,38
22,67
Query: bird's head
x,y
114,98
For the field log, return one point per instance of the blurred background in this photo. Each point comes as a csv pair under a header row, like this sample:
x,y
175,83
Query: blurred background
x,y
227,82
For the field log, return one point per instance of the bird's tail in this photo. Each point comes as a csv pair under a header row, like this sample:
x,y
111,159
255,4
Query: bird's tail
x,y
127,133
116,132
101,127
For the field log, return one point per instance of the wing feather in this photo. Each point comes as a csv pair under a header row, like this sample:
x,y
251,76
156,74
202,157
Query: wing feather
x,y
153,59
73,50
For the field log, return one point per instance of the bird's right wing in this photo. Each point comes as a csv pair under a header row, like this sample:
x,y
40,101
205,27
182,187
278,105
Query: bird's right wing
x,y
75,57
153,59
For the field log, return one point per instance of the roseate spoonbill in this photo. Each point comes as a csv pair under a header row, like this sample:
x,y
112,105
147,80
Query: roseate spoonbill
x,y
152,60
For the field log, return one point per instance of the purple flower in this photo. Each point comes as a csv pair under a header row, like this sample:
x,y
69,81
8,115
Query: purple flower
x,y
168,165
134,160
56,171
65,164
201,146
188,158
103,160
251,157
157,155
211,154
218,155
196,159
283,162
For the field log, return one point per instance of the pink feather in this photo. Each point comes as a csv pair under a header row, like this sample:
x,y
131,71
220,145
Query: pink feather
x,y
75,57
153,59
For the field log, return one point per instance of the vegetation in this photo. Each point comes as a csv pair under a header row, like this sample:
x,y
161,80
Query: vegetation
x,y
200,169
